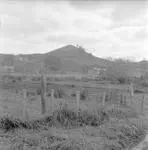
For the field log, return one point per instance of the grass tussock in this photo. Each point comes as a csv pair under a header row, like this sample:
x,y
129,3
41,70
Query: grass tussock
x,y
68,118
121,112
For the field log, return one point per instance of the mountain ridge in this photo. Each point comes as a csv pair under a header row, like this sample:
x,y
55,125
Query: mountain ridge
x,y
79,55
72,59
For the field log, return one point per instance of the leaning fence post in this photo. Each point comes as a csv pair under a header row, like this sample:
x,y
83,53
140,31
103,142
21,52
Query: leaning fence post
x,y
25,111
43,94
78,100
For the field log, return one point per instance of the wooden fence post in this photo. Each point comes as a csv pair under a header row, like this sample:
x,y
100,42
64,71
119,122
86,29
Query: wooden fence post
x,y
78,100
132,89
103,100
52,94
25,111
121,99
131,92
142,103
125,102
51,100
43,94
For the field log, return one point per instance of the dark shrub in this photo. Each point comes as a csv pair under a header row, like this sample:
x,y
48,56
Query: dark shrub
x,y
139,91
73,94
8,123
122,80
83,94
38,91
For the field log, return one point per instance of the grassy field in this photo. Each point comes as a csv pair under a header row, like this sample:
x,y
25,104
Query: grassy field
x,y
95,127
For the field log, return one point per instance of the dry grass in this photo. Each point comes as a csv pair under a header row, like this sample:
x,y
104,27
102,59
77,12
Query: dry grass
x,y
109,127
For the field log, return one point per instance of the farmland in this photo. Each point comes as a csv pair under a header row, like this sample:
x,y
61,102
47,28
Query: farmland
x,y
73,75
80,114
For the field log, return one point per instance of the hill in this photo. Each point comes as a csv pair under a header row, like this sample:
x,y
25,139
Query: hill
x,y
69,58
72,59
78,55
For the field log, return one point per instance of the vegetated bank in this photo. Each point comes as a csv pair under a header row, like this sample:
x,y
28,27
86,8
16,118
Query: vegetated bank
x,y
113,127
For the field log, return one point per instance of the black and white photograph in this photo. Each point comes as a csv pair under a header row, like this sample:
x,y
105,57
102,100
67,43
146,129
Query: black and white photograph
x,y
73,74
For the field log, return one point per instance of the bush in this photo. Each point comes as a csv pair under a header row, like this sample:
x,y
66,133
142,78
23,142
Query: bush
x,y
93,118
122,80
122,134
139,91
130,135
73,94
8,123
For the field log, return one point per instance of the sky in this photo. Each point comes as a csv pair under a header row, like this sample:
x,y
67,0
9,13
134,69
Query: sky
x,y
105,28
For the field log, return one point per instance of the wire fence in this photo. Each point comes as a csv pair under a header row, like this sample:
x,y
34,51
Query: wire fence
x,y
77,93
104,97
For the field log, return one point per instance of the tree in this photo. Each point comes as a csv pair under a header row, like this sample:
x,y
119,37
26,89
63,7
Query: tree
x,y
8,60
118,71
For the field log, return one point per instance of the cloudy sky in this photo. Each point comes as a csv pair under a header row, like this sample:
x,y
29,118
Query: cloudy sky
x,y
104,28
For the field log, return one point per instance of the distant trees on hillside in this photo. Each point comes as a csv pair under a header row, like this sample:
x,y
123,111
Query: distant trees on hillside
x,y
118,71
8,60
52,63
85,68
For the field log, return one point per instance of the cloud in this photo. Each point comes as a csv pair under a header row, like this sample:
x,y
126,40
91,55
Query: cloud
x,y
131,34
108,27
17,27
18,20
125,11
85,4
142,34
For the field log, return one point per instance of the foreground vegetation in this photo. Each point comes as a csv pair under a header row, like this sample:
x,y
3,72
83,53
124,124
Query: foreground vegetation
x,y
108,128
